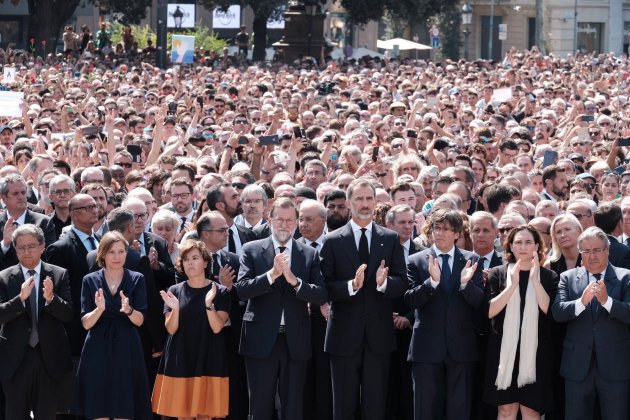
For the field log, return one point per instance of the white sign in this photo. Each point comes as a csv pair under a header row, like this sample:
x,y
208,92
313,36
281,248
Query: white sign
x,y
435,31
231,19
503,31
583,135
184,13
10,104
9,75
501,95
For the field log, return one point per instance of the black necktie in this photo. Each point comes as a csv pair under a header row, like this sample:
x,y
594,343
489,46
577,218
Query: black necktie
x,y
281,249
181,227
482,263
281,281
364,250
314,245
595,303
231,243
33,338
215,265
445,274
92,243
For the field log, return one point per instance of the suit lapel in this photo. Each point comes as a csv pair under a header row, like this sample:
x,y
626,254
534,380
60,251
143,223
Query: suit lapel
x,y
612,282
298,262
376,250
350,246
45,272
77,242
459,262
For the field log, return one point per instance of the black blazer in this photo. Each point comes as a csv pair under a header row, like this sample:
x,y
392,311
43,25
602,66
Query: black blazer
x,y
619,254
236,313
30,196
165,276
15,318
9,259
605,337
369,312
444,323
266,302
70,253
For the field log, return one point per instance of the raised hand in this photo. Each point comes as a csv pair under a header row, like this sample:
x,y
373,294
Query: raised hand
x,y
99,299
468,272
381,273
27,288
227,275
7,231
48,289
359,277
170,300
124,304
212,293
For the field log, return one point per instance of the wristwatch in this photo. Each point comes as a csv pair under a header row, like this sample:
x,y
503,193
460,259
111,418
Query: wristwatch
x,y
211,307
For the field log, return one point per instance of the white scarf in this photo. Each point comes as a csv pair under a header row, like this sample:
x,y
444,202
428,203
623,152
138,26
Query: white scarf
x,y
529,336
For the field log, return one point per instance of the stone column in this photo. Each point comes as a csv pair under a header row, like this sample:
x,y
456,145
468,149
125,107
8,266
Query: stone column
x,y
615,27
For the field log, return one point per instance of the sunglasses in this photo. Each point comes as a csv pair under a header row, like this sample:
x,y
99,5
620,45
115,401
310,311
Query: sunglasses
x,y
397,146
123,164
239,185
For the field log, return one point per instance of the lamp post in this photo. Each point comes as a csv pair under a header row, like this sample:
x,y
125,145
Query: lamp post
x,y
160,56
467,12
491,36
178,16
311,8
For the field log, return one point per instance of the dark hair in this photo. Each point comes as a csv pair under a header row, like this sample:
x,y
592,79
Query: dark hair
x,y
452,218
215,195
186,248
178,182
334,195
191,169
607,217
550,172
508,256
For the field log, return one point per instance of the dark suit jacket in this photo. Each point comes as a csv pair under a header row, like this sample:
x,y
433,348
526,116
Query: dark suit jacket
x,y
15,318
606,337
30,196
153,327
236,313
444,323
369,312
619,254
70,253
9,259
266,302
165,276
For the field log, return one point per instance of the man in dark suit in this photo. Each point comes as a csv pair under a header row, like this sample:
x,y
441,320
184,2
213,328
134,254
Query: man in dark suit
x,y
445,297
608,217
484,230
318,388
225,199
364,270
13,194
594,301
279,277
401,219
35,301
212,230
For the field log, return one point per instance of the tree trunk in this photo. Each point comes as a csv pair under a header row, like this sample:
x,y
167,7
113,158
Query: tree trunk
x,y
260,37
46,20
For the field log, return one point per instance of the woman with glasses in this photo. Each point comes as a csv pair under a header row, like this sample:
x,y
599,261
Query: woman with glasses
x,y
111,378
192,379
519,369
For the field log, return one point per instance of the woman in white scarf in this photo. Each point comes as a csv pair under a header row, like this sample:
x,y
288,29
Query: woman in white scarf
x,y
519,370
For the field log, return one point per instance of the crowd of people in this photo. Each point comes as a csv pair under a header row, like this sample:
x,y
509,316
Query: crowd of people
x,y
373,239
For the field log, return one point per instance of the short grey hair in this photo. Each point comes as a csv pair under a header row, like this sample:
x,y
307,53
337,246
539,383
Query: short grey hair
x,y
58,179
8,180
314,203
316,162
483,215
255,189
164,217
592,233
390,217
90,171
119,219
28,229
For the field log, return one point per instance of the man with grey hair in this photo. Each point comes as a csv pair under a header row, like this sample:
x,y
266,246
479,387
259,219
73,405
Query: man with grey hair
x,y
16,213
92,175
484,229
506,223
254,202
35,167
35,353
61,190
584,211
315,172
594,301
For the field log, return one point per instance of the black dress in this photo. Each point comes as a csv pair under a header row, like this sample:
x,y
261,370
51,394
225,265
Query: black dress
x,y
538,395
111,377
193,377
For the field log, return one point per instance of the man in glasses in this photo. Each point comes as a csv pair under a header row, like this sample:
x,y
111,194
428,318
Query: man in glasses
x,y
609,218
254,202
62,189
182,201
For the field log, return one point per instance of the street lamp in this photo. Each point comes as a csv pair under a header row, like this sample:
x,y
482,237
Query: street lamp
x,y
311,8
178,16
467,13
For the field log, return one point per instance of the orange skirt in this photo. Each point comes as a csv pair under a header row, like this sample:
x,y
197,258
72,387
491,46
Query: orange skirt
x,y
190,397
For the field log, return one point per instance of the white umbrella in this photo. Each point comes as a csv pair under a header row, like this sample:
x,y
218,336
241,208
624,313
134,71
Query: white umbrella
x,y
362,52
403,44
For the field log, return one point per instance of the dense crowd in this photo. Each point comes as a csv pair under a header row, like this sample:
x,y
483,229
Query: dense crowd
x,y
374,238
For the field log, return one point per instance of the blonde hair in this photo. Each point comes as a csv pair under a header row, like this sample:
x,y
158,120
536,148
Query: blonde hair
x,y
556,253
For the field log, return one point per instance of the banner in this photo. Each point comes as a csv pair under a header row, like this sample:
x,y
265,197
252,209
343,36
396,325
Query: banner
x,y
183,49
10,104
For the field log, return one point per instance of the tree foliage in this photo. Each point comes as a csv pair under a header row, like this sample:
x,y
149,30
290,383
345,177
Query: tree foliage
x,y
362,11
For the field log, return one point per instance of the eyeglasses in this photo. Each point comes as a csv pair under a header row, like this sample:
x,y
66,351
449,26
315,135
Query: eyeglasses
x,y
88,209
29,247
590,108
281,222
259,132
399,124
208,135
578,144
397,146
593,251
141,216
239,185
183,196
505,229
221,230
137,96
62,192
123,164
240,121
94,181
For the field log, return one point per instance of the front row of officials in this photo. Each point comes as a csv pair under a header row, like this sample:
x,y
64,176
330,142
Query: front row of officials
x,y
362,274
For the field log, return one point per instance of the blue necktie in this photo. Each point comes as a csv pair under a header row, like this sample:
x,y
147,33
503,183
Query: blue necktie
x,y
595,303
445,274
92,243
33,338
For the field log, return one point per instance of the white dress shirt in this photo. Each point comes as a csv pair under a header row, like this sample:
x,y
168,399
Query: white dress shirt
x,y
580,307
289,248
356,230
